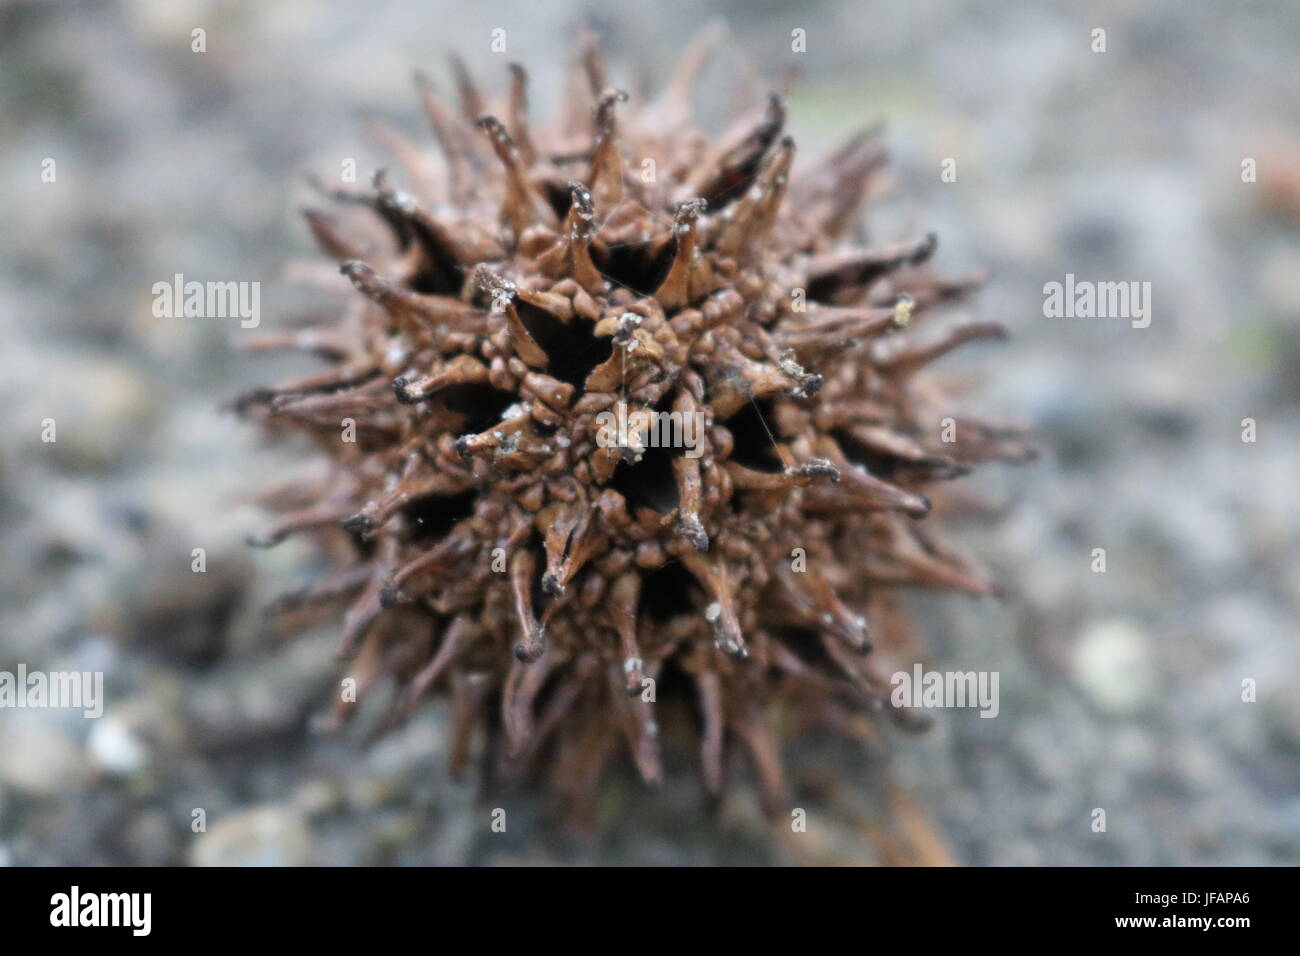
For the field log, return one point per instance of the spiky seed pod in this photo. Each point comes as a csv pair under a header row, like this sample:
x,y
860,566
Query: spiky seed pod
x,y
567,591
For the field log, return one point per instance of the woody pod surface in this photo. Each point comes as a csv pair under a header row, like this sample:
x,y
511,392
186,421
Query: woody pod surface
x,y
570,594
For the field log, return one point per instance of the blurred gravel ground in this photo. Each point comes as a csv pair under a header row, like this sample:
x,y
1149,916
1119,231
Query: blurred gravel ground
x,y
1119,691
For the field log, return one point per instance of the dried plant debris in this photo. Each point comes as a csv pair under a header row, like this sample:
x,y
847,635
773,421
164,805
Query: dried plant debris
x,y
570,592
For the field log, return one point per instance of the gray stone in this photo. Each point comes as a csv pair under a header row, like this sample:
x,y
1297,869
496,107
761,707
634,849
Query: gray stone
x,y
259,836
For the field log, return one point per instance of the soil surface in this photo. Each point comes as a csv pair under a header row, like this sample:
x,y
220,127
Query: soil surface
x,y
1120,691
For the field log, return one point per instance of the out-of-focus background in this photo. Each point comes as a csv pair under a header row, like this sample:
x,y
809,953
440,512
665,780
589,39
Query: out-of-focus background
x,y
1119,690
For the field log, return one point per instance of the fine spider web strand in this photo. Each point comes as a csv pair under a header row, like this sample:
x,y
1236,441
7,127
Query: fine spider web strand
x,y
623,285
759,412
770,437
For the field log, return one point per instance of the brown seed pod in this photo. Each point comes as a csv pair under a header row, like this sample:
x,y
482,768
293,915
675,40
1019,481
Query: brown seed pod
x,y
635,433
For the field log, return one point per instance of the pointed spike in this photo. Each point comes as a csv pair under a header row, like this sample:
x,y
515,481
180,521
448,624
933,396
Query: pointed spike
x,y
324,230
587,544
820,336
503,293
461,370
469,689
977,441
518,112
829,194
412,486
721,610
557,522
306,519
584,80
747,94
523,683
851,173
735,380
327,343
570,256
522,569
334,380
759,739
882,440
593,61
676,291
388,204
522,207
459,634
471,100
336,586
859,484
557,707
691,528
927,289
351,195
360,618
442,557
897,356
640,730
348,402
686,472
447,247
752,217
420,312
455,149
728,175
606,175
496,441
624,597
673,107
407,154
450,248
914,565
582,542
829,274
711,714
847,626
558,305
812,471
